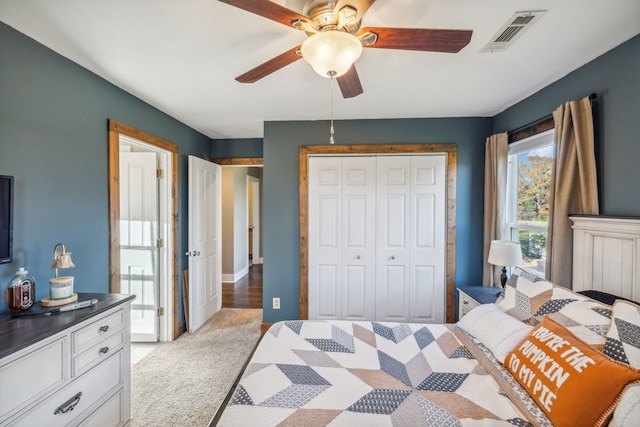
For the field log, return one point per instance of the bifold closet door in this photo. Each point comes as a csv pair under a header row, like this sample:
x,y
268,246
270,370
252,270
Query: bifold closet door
x,y
341,238
410,238
377,238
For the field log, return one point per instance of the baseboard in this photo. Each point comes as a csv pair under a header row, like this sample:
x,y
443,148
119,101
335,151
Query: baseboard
x,y
264,327
233,278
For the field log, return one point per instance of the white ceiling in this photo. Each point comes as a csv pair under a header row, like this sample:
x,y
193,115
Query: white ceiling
x,y
182,56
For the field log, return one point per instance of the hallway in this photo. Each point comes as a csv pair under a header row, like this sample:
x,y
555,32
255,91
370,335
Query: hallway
x,y
246,292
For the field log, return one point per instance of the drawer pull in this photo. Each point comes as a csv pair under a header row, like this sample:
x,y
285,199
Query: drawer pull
x,y
465,302
104,350
104,328
68,405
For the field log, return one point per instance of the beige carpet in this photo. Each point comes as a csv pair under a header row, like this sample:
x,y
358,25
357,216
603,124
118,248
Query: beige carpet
x,y
182,383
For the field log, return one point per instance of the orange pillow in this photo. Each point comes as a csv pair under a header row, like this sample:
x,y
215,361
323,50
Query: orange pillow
x,y
573,383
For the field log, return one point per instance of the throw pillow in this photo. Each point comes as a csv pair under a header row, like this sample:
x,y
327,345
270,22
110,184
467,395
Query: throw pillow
x,y
495,329
524,294
573,383
623,337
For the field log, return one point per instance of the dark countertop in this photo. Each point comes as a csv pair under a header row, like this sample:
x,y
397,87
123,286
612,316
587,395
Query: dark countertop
x,y
20,331
482,294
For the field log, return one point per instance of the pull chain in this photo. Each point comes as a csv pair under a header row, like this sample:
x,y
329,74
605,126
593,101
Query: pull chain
x,y
332,75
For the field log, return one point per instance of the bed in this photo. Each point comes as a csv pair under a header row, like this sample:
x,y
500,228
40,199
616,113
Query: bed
x,y
528,360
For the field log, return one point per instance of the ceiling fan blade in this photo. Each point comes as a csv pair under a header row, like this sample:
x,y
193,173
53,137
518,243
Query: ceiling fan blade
x,y
270,66
423,39
349,83
360,5
269,10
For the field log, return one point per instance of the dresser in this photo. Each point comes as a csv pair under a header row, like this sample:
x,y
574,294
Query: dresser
x,y
71,368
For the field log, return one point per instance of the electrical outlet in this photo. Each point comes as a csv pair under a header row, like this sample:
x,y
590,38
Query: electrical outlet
x,y
276,303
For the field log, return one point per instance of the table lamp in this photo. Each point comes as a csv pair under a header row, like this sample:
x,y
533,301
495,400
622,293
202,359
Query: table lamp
x,y
504,253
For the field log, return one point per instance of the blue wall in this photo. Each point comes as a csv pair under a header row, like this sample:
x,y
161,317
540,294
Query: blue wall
x,y
281,277
233,148
53,140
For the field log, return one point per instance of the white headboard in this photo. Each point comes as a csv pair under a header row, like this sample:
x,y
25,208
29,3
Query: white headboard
x,y
606,255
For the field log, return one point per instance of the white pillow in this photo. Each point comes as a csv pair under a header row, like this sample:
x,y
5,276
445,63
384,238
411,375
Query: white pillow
x,y
627,413
495,329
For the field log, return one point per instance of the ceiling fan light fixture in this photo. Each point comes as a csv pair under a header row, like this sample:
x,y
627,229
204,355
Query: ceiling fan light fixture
x,y
331,51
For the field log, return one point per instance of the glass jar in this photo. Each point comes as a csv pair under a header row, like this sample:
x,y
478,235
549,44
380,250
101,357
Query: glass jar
x,y
21,294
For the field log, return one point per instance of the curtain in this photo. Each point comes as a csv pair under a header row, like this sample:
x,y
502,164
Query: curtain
x,y
495,201
574,188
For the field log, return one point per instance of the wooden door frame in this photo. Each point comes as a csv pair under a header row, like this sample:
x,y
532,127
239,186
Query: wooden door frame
x,y
115,130
449,149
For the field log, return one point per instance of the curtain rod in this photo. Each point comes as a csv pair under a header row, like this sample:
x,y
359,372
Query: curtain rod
x,y
592,98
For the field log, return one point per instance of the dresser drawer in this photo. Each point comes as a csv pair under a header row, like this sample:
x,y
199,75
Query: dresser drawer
x,y
93,333
27,376
111,413
93,355
79,395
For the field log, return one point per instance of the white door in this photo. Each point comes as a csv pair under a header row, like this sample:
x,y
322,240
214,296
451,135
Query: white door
x,y
428,240
205,243
341,237
377,238
358,242
392,238
139,271
325,238
411,240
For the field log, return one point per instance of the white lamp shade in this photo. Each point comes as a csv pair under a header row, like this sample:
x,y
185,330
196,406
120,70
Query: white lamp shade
x,y
331,51
505,253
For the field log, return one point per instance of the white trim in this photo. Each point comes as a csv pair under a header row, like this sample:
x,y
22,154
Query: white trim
x,y
233,278
531,143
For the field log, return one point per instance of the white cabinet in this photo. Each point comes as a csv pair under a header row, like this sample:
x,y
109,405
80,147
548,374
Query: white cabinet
x,y
79,375
377,237
469,297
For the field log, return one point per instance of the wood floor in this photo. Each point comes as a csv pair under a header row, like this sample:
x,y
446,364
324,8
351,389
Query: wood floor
x,y
246,292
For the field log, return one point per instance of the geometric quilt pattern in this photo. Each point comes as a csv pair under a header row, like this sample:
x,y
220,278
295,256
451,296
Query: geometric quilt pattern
x,y
530,298
524,295
365,373
623,338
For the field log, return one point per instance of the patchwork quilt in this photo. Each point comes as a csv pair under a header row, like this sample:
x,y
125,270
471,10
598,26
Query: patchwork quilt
x,y
342,373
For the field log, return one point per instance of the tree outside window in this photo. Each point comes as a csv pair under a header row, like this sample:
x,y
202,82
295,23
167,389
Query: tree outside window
x,y
529,189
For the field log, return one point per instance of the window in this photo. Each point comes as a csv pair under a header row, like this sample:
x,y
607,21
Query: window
x,y
528,194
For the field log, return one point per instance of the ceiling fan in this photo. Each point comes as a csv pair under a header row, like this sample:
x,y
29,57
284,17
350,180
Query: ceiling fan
x,y
340,22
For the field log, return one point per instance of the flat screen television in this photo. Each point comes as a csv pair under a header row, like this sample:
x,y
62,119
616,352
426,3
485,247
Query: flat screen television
x,y
6,219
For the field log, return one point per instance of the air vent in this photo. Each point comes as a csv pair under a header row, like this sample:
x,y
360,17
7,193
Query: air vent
x,y
515,26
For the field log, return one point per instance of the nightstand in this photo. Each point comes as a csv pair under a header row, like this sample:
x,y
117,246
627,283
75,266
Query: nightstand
x,y
472,296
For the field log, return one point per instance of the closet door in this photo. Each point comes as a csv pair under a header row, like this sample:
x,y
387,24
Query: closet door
x,y
342,238
359,249
427,265
411,241
325,237
377,238
393,230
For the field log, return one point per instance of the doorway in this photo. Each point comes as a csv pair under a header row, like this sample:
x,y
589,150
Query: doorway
x,y
143,229
242,232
